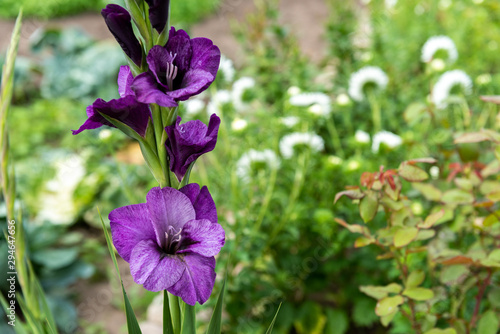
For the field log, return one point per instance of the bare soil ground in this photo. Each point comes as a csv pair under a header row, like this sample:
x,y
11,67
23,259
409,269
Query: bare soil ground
x,y
306,19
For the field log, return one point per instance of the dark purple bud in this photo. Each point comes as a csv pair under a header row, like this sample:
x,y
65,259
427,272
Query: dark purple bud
x,y
119,22
158,13
186,142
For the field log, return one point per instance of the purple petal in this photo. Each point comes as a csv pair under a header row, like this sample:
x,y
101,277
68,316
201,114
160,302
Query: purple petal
x,y
202,237
206,55
119,24
179,44
204,205
129,225
158,60
146,91
194,82
125,79
158,13
91,123
168,207
150,266
197,281
188,141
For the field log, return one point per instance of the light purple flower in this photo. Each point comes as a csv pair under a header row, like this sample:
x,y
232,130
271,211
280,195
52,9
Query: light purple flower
x,y
170,241
126,109
183,68
188,141
119,24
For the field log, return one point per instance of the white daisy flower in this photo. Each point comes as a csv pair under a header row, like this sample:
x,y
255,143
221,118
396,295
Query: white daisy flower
x,y
436,43
218,100
227,68
321,100
385,137
288,142
290,121
244,165
56,202
294,90
239,88
238,124
434,171
343,99
368,74
362,137
442,88
193,106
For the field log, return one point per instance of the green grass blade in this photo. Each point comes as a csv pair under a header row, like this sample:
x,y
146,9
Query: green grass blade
x,y
215,325
46,311
167,319
270,329
188,320
132,323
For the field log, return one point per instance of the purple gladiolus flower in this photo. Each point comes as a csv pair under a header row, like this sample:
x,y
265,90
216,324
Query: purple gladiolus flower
x,y
125,109
183,68
188,141
158,13
171,240
119,24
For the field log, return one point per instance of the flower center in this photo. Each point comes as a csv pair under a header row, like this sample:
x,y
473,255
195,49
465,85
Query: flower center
x,y
172,240
171,73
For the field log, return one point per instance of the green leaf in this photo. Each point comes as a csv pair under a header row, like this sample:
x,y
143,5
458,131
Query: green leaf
x,y
441,331
122,127
464,183
368,206
494,196
429,191
491,169
55,258
425,234
188,319
337,321
452,274
388,305
168,328
132,323
363,241
270,329
431,219
412,173
492,219
380,292
387,319
457,196
488,324
415,278
351,193
404,236
214,327
419,293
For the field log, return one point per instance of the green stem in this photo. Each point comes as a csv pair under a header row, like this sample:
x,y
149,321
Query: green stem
x,y
188,319
376,114
297,186
167,319
175,312
335,137
267,199
160,143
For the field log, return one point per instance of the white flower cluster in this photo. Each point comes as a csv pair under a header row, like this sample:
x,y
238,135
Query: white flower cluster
x,y
442,88
368,74
319,103
437,43
244,165
290,121
227,68
385,137
288,142
56,204
239,88
362,137
193,106
218,100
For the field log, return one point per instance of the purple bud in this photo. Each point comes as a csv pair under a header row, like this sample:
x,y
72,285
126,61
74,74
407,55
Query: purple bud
x,y
158,13
119,23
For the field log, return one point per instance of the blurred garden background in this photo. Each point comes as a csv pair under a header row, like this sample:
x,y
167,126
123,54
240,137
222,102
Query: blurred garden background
x,y
311,94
